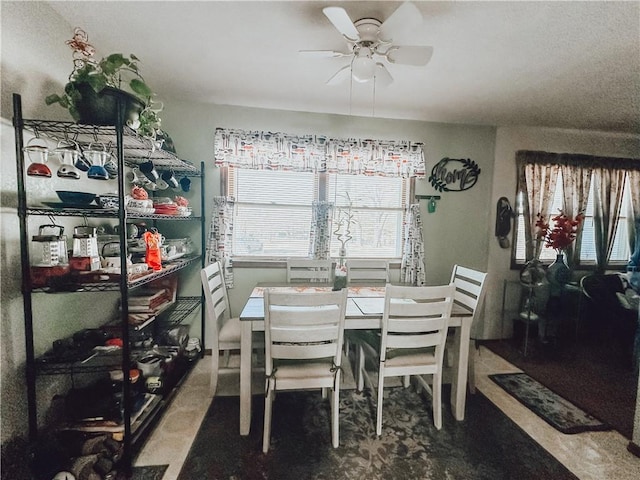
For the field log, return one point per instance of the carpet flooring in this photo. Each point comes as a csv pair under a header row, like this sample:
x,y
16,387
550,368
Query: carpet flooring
x,y
584,373
551,407
486,445
151,472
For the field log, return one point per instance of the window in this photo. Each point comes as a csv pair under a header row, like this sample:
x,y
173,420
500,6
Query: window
x,y
273,212
620,252
378,207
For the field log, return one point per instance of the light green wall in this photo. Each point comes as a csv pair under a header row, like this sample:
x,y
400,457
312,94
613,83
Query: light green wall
x,y
456,233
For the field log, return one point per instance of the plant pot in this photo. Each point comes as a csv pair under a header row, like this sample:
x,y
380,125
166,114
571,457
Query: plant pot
x,y
102,108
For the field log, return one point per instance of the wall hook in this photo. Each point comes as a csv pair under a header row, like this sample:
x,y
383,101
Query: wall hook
x,y
431,204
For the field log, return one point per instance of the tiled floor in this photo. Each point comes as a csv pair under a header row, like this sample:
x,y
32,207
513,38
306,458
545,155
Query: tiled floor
x,y
590,455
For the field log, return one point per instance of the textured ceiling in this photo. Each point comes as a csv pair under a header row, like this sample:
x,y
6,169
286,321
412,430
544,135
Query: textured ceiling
x,y
558,64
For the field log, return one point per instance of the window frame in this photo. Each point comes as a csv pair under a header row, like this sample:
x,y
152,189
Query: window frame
x,y
321,193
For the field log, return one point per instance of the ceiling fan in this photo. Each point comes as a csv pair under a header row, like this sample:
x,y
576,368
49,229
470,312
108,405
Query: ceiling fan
x,y
371,40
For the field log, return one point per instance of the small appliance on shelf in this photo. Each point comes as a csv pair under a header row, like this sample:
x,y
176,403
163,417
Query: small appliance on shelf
x,y
85,249
48,254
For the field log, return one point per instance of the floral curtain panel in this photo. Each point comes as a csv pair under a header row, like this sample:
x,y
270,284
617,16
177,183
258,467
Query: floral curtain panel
x,y
607,205
537,179
320,239
220,242
317,153
412,270
576,194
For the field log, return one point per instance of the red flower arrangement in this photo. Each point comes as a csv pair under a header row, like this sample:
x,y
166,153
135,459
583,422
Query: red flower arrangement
x,y
563,232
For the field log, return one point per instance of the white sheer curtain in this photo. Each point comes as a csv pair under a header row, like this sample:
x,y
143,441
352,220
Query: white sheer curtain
x,y
220,241
412,270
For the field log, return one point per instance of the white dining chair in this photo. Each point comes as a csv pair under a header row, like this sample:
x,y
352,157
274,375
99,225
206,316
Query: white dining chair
x,y
367,271
225,330
363,271
469,296
308,270
412,341
303,339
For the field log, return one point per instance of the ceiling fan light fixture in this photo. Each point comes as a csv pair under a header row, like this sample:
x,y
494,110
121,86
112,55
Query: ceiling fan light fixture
x,y
363,66
363,69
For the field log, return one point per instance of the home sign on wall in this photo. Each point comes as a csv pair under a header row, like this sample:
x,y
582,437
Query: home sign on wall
x,y
454,174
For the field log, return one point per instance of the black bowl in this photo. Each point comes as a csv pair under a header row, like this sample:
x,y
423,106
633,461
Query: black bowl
x,y
76,198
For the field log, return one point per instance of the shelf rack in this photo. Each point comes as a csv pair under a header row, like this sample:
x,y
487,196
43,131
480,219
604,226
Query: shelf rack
x,y
130,150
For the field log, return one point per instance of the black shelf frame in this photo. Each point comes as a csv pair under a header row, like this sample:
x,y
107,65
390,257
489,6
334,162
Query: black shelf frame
x,y
131,150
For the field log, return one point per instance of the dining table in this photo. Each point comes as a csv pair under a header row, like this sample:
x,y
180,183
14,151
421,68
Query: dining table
x,y
365,304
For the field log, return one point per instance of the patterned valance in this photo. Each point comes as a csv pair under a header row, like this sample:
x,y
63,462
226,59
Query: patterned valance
x,y
316,153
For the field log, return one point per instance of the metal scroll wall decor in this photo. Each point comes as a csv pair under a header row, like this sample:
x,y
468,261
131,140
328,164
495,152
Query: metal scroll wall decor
x,y
454,174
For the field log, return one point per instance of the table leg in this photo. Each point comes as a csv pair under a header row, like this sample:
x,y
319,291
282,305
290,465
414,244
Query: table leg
x,y
460,370
245,377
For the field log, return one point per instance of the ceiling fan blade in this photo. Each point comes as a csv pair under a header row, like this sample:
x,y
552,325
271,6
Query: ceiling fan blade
x,y
340,19
323,53
340,76
405,18
382,75
409,55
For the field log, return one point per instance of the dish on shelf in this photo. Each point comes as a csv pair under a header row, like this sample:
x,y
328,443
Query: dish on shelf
x,y
108,201
76,198
184,211
134,203
163,201
142,211
61,205
173,257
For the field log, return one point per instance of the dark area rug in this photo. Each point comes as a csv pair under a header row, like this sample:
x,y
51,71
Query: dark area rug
x,y
151,472
582,372
486,445
551,407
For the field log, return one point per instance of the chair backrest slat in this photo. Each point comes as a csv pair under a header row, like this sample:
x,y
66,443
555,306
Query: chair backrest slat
x,y
308,270
303,352
414,341
373,270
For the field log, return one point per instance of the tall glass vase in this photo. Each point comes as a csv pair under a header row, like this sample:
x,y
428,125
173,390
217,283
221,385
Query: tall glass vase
x,y
558,274
340,275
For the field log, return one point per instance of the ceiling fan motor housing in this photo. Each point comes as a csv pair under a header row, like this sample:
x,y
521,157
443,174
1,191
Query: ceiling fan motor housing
x,y
368,28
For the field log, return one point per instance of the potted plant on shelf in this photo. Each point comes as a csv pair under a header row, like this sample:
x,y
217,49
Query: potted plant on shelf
x,y
94,87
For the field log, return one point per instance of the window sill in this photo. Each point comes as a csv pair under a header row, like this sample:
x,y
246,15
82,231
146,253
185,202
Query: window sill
x,y
587,267
246,262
